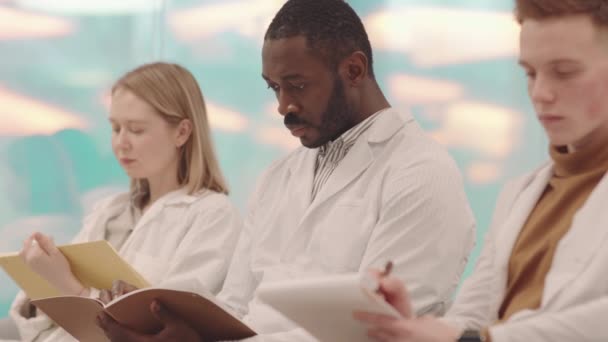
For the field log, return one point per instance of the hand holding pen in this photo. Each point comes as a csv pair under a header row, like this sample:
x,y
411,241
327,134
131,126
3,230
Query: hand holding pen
x,y
408,327
394,292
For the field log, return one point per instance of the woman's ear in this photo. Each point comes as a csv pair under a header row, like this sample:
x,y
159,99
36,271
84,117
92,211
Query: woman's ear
x,y
184,130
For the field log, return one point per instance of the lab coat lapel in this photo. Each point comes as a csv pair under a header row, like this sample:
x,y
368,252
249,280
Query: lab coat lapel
x,y
360,156
587,234
524,203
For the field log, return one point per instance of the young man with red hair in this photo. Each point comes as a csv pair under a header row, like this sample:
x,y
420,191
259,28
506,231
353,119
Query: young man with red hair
x,y
542,274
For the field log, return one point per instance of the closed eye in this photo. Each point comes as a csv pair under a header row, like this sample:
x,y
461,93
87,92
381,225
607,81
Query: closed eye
x,y
530,74
273,86
299,86
563,74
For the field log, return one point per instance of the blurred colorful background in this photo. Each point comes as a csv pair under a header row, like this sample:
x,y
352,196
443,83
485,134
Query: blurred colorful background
x,y
451,62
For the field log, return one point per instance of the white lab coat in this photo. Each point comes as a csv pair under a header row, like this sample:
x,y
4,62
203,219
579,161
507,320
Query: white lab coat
x,y
182,241
574,305
396,195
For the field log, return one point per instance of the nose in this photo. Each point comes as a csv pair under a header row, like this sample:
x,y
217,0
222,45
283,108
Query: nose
x,y
287,103
121,140
541,90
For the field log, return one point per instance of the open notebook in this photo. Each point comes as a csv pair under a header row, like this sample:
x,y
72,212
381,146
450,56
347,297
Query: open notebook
x,y
77,315
96,264
324,306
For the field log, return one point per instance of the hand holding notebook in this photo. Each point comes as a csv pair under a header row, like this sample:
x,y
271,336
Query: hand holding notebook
x,y
324,306
44,258
77,315
84,264
202,312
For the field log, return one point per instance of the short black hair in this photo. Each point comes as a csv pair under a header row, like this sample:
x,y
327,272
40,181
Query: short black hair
x,y
331,28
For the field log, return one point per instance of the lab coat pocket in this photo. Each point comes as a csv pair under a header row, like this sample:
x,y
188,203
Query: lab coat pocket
x,y
152,268
345,235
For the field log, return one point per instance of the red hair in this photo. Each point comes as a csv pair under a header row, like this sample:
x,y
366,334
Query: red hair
x,y
597,10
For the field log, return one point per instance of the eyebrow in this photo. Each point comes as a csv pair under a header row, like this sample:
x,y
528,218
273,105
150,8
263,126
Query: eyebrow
x,y
288,77
564,61
552,62
129,121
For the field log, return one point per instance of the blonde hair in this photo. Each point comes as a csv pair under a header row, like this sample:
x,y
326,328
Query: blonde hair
x,y
175,94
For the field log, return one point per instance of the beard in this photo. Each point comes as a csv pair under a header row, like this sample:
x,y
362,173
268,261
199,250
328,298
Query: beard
x,y
337,118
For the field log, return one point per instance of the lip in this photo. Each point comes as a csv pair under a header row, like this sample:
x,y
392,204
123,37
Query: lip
x,y
297,130
549,118
126,161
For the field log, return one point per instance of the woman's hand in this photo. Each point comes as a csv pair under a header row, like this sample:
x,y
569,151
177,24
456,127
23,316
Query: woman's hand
x,y
119,288
43,257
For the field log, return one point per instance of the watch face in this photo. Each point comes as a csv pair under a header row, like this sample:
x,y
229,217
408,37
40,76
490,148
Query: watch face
x,y
470,336
470,339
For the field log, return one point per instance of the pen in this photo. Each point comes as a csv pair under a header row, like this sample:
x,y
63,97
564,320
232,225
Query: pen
x,y
372,282
387,269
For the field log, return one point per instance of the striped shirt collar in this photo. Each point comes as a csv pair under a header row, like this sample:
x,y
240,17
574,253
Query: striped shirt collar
x,y
332,153
348,138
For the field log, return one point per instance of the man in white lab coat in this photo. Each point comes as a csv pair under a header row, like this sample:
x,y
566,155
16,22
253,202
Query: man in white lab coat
x,y
367,185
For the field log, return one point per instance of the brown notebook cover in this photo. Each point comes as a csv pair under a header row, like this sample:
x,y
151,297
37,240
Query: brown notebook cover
x,y
77,314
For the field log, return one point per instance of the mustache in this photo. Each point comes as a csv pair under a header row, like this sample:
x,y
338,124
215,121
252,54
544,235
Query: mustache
x,y
292,119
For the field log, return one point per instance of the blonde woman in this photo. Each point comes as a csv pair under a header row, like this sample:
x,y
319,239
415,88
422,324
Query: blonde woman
x,y
176,224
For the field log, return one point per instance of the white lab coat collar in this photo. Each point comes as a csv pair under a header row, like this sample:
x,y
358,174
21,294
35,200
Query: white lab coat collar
x,y
575,249
578,247
387,124
117,204
527,198
354,163
173,198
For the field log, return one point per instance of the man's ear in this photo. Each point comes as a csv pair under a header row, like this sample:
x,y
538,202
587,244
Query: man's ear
x,y
184,130
354,68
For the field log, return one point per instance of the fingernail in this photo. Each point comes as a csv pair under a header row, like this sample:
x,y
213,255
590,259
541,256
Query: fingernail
x,y
155,306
